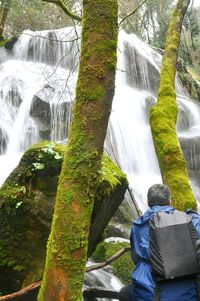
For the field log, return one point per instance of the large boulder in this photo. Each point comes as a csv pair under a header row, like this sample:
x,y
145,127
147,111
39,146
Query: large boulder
x,y
26,208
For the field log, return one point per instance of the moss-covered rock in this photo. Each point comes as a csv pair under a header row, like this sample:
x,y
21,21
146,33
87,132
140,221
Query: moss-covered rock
x,y
109,195
8,43
26,208
123,266
26,204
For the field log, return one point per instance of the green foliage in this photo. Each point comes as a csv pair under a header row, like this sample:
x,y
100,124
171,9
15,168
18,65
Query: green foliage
x,y
191,39
37,166
49,149
191,80
34,15
3,42
150,22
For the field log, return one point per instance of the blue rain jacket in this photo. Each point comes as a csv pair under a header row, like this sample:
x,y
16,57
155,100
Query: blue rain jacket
x,y
144,285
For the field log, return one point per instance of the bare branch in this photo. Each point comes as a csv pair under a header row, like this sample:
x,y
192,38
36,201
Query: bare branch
x,y
62,5
88,294
133,12
108,261
35,286
23,292
50,39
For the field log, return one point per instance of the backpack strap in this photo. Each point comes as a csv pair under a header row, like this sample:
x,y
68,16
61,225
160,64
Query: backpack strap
x,y
197,282
157,292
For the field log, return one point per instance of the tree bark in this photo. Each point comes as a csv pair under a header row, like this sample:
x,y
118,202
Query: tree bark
x,y
68,241
4,9
163,119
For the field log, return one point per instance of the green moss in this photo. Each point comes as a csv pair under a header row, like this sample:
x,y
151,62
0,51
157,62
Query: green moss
x,y
79,177
163,120
26,206
3,42
110,176
123,266
110,172
171,160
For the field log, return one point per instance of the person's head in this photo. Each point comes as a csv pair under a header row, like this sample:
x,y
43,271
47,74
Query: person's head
x,y
158,195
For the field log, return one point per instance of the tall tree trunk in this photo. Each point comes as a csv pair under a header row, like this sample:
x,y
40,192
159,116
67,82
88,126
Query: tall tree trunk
x,y
4,8
68,241
163,119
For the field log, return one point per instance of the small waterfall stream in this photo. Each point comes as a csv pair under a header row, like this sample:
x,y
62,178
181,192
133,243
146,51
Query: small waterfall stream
x,y
36,101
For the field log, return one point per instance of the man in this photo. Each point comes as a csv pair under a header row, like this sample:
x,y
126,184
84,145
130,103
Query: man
x,y
144,287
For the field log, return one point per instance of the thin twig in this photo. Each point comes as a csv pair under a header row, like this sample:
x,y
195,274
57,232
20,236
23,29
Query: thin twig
x,y
62,5
133,12
54,40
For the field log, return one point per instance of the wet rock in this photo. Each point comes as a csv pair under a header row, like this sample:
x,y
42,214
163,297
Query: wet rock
x,y
52,119
191,150
13,96
150,101
11,43
40,111
141,72
3,141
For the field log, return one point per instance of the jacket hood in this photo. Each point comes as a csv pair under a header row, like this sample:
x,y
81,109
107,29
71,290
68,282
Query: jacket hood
x,y
150,212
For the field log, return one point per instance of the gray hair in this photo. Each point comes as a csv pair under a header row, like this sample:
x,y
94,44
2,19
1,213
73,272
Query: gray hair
x,y
158,195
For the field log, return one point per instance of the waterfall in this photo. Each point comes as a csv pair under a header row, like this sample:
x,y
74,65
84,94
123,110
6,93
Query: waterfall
x,y
130,141
37,87
35,99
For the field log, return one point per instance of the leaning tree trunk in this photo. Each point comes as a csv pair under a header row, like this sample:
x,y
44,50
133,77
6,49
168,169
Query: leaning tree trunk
x,y
163,119
68,241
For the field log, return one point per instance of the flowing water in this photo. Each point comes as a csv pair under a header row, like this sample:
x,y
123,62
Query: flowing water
x,y
37,85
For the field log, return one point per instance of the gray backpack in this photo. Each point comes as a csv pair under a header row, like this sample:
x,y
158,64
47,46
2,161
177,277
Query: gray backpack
x,y
174,246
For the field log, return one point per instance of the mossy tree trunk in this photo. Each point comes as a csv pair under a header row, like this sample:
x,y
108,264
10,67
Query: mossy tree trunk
x,y
68,241
163,119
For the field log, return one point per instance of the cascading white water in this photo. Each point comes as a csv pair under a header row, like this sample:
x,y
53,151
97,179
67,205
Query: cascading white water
x,y
36,100
56,48
34,97
130,142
